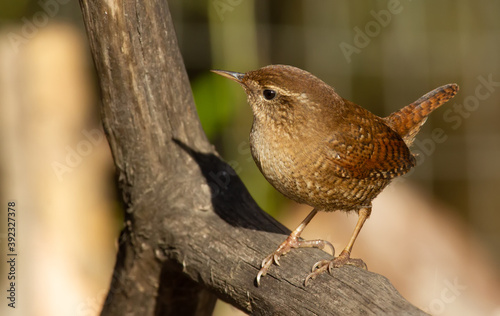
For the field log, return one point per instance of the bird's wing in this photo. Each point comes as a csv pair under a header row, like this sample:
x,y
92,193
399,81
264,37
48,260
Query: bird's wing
x,y
365,147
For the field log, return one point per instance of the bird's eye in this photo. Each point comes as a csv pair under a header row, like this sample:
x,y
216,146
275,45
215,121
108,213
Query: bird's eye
x,y
269,94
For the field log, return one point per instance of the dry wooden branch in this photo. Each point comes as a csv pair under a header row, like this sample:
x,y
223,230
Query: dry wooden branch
x,y
192,230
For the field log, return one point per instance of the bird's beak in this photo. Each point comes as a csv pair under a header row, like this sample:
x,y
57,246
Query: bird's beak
x,y
235,76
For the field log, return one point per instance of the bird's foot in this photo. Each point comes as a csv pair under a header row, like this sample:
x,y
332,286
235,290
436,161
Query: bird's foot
x,y
343,259
291,242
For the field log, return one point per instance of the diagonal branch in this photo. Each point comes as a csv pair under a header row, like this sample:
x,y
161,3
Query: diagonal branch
x,y
191,228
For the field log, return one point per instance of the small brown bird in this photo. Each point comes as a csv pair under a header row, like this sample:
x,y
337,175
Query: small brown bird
x,y
320,149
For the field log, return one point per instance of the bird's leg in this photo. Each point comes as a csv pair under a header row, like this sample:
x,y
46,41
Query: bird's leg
x,y
344,257
293,242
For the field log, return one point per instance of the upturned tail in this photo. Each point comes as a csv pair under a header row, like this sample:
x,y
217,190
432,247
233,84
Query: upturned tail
x,y
408,121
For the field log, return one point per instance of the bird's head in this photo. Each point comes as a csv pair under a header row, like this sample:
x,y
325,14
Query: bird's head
x,y
281,92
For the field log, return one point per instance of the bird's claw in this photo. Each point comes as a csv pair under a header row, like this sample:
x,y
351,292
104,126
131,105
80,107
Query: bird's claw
x,y
274,257
318,268
343,259
291,242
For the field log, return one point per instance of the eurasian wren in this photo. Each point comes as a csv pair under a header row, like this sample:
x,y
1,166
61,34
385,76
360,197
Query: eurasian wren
x,y
320,149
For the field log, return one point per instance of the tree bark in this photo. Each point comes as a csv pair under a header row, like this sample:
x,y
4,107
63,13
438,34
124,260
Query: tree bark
x,y
192,232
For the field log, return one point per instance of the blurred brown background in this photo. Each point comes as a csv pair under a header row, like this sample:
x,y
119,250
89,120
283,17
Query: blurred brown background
x,y
434,233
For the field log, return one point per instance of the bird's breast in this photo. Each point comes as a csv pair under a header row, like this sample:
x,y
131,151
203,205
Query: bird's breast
x,y
300,170
278,156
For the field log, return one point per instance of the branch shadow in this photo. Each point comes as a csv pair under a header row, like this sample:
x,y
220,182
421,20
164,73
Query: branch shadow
x,y
230,198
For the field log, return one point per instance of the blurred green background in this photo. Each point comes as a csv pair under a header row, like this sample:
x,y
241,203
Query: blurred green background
x,y
382,55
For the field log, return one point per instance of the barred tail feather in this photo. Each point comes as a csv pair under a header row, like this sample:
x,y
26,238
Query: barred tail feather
x,y
408,121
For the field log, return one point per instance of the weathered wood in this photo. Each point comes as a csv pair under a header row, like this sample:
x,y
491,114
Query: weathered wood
x,y
191,228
